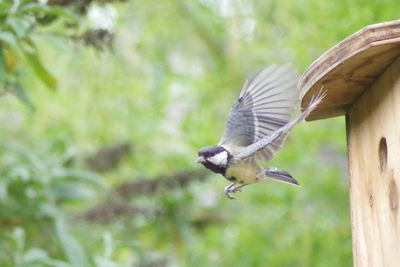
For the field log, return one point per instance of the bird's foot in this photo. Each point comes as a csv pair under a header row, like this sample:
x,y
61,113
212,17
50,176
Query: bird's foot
x,y
232,189
228,194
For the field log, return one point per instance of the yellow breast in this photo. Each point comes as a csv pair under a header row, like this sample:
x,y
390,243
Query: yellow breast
x,y
246,172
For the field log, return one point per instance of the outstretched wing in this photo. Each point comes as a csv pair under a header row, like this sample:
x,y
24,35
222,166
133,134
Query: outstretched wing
x,y
277,138
265,104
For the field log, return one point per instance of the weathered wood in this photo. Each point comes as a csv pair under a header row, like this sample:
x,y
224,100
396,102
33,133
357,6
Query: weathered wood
x,y
362,78
349,68
373,130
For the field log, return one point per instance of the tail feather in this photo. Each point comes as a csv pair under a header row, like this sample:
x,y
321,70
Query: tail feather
x,y
281,176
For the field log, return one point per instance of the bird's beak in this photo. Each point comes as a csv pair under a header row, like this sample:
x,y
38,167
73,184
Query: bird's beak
x,y
200,159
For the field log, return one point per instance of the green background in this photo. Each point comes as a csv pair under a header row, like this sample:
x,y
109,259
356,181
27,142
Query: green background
x,y
165,88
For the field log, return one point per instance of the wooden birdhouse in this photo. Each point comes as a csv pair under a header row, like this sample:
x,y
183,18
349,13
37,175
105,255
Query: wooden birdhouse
x,y
361,75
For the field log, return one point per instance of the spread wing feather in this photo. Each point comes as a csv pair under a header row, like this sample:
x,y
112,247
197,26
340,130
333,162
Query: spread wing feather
x,y
274,141
265,104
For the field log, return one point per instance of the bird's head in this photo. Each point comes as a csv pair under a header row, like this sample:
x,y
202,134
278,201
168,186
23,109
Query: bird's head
x,y
215,158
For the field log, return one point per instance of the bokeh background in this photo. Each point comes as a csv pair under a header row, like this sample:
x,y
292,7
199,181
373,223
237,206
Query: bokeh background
x,y
104,105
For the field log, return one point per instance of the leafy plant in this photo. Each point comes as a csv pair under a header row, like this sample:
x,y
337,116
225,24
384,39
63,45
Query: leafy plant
x,y
23,23
19,21
34,187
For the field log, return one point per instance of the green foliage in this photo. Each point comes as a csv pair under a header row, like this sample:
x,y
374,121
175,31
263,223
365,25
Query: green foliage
x,y
165,88
18,23
22,24
33,188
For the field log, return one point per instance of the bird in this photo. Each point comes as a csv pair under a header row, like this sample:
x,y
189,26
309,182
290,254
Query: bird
x,y
257,127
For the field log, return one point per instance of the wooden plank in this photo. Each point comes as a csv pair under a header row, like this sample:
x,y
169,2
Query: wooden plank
x,y
349,68
373,132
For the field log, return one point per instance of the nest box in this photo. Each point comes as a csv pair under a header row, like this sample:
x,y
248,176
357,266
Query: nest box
x,y
361,75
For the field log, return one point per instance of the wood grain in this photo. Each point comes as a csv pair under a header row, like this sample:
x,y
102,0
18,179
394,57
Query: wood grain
x,y
373,123
349,68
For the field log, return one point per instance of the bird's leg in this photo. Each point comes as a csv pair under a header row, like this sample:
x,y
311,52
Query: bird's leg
x,y
233,189
237,188
229,189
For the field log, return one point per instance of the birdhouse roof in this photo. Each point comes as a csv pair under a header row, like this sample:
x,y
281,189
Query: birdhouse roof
x,y
346,70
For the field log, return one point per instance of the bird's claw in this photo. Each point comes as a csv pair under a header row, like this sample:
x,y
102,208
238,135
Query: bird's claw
x,y
232,189
230,196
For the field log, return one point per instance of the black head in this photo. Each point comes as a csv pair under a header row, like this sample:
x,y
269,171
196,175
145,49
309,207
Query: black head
x,y
215,158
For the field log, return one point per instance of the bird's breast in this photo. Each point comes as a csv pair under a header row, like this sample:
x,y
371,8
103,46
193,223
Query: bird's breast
x,y
246,171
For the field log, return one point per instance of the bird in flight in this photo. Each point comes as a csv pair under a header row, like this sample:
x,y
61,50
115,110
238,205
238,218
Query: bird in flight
x,y
257,127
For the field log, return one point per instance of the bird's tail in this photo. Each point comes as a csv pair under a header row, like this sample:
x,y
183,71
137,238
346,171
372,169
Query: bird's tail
x,y
281,176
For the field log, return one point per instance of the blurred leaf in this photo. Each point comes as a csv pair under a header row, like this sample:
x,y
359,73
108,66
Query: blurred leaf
x,y
72,249
27,158
3,70
19,25
8,38
51,210
79,176
55,41
20,172
3,190
32,55
105,259
48,10
39,257
55,263
20,92
65,192
108,245
19,238
34,254
4,6
10,59
102,262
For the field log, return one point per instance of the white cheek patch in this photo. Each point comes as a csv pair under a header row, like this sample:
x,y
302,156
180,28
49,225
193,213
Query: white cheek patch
x,y
220,159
